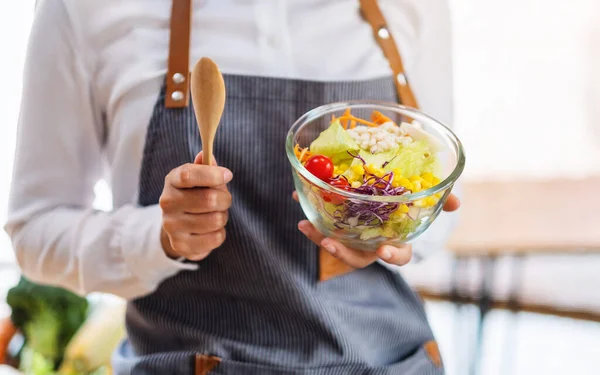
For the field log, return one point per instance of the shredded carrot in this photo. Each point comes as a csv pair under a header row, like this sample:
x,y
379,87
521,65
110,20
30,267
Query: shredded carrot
x,y
302,154
332,118
348,114
359,120
379,118
352,124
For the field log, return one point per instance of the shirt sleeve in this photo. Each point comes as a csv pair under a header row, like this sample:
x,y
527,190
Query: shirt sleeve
x,y
58,238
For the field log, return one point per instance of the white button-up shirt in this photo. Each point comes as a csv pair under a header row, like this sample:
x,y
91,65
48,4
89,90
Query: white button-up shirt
x,y
94,69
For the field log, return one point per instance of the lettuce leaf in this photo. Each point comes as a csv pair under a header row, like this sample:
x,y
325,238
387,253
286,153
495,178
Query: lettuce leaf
x,y
413,159
334,143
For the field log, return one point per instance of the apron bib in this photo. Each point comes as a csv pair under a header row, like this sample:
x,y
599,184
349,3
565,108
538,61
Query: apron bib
x,y
256,305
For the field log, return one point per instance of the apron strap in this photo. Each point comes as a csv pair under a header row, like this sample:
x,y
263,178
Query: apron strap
x,y
178,73
372,14
177,95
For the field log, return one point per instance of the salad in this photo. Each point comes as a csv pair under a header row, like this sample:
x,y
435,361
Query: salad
x,y
376,158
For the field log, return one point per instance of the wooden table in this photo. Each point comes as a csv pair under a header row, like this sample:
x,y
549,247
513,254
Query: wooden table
x,y
521,218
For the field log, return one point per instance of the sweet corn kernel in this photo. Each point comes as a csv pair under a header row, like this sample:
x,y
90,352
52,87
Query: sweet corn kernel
x,y
410,186
435,180
403,181
415,178
438,195
397,172
358,169
428,176
431,201
344,167
395,183
371,169
426,185
356,184
397,215
416,186
403,209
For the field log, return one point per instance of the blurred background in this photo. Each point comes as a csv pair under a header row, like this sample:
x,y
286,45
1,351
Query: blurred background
x,y
516,291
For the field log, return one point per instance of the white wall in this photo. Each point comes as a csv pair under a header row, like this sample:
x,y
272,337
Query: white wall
x,y
528,86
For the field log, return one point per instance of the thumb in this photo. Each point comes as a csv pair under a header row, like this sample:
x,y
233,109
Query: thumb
x,y
199,158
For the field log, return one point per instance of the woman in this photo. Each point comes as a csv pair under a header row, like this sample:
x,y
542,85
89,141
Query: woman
x,y
217,274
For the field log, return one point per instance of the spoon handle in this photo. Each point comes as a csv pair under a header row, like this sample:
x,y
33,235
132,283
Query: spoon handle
x,y
207,153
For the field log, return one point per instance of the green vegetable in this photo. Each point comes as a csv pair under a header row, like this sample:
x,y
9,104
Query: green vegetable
x,y
394,228
414,159
33,363
91,348
48,317
334,143
378,160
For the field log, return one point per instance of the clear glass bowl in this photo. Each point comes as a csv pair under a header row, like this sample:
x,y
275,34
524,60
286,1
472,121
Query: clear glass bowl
x,y
415,216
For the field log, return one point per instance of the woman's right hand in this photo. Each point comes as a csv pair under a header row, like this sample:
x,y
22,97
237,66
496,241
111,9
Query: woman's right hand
x,y
194,204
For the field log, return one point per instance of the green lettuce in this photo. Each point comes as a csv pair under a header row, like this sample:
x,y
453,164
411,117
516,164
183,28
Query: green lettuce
x,y
334,143
413,159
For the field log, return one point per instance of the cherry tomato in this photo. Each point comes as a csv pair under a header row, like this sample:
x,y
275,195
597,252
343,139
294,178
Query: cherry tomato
x,y
340,183
320,166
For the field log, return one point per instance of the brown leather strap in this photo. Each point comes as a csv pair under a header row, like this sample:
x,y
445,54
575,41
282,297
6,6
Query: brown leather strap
x,y
178,74
372,14
433,352
330,267
205,364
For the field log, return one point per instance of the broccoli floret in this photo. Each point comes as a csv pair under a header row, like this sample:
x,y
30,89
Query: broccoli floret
x,y
47,316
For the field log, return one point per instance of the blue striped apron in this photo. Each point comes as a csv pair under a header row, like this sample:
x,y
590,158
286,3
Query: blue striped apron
x,y
255,305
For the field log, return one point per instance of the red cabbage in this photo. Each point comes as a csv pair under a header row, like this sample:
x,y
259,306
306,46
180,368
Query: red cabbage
x,y
363,213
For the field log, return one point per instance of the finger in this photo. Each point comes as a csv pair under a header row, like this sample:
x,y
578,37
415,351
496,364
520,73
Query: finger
x,y
196,200
310,231
196,223
353,258
452,203
202,200
197,246
395,255
199,159
295,196
193,175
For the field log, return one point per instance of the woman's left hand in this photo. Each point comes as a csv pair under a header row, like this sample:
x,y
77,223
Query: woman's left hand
x,y
358,258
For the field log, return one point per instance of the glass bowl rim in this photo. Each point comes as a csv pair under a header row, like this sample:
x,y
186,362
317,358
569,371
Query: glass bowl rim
x,y
398,108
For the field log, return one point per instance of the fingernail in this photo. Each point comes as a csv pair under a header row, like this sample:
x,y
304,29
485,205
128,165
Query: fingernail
x,y
227,175
303,227
386,254
330,248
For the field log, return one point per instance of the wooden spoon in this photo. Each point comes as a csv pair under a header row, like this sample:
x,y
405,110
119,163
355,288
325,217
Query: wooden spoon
x,y
208,96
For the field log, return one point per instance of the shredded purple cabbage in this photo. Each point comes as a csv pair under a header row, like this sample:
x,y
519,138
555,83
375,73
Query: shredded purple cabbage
x,y
356,212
